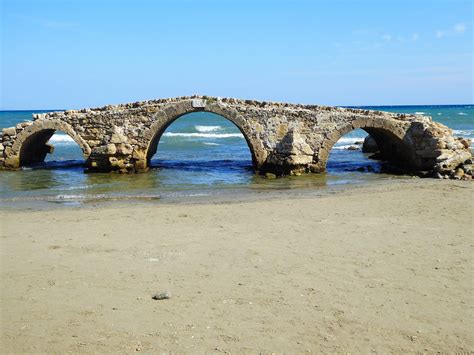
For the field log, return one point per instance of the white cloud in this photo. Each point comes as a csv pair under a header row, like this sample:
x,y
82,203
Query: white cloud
x,y
387,38
440,34
415,36
459,27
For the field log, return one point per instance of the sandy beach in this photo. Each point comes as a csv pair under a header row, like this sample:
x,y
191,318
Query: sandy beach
x,y
386,268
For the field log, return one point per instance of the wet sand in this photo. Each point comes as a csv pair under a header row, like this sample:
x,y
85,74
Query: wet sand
x,y
386,268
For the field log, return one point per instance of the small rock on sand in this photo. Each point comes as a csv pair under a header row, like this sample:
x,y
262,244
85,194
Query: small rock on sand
x,y
162,296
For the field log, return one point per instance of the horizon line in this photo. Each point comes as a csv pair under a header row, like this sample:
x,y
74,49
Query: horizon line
x,y
344,106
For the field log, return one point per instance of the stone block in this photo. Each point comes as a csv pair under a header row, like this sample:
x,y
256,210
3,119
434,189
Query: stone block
x,y
117,138
199,103
111,149
10,131
124,149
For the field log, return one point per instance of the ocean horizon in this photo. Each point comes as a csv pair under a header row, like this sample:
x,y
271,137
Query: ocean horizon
x,y
342,106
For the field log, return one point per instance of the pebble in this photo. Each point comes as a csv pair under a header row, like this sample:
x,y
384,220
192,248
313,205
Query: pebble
x,y
162,296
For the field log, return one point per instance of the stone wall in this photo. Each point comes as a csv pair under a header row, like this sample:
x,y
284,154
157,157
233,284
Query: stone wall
x,y
283,138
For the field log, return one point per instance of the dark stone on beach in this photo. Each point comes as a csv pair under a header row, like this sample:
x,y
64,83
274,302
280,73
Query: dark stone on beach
x,y
162,296
9,131
353,147
361,169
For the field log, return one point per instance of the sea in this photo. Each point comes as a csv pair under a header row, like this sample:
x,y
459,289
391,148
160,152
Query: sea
x,y
201,157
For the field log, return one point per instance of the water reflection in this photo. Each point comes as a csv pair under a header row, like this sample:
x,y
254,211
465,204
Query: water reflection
x,y
41,179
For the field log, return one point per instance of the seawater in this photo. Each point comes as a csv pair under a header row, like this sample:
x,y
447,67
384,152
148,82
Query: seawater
x,y
201,154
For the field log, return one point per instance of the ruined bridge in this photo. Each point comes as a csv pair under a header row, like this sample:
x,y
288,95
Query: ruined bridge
x,y
283,138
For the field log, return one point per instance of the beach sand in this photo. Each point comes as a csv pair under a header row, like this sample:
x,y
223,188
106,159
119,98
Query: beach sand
x,y
386,268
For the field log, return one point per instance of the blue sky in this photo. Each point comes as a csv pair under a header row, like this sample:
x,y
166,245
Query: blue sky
x,y
72,54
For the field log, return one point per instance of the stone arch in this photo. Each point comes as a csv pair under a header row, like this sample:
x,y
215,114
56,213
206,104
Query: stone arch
x,y
30,145
164,118
390,139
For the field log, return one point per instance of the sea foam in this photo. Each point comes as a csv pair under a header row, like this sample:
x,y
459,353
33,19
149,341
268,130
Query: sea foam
x,y
345,146
204,135
350,140
61,139
207,128
463,133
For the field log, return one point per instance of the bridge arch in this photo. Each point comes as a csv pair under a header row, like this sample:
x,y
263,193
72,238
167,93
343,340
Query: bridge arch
x,y
165,118
30,145
390,139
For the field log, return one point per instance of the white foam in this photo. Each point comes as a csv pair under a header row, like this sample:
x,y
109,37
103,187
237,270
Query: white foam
x,y
349,140
61,139
463,133
207,128
462,114
345,147
419,113
210,143
204,135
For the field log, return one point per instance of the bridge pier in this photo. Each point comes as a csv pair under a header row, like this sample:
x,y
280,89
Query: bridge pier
x,y
283,138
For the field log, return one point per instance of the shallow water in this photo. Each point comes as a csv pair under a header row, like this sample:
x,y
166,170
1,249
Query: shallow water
x,y
200,154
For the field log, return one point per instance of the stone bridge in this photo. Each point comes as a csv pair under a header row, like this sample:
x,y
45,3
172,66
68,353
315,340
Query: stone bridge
x,y
283,138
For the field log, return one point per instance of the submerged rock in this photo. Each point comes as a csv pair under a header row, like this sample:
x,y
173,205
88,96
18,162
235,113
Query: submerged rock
x,y
352,147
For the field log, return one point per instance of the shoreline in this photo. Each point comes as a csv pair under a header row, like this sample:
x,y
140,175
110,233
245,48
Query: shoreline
x,y
209,195
382,268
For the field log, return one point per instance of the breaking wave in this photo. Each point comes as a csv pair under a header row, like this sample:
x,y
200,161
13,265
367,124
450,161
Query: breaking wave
x,y
350,141
346,147
61,139
207,128
464,133
204,135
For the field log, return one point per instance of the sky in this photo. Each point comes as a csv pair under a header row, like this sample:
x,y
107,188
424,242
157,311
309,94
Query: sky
x,y
73,54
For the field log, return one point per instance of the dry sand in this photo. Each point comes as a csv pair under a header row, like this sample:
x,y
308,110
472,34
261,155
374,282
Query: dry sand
x,y
386,268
